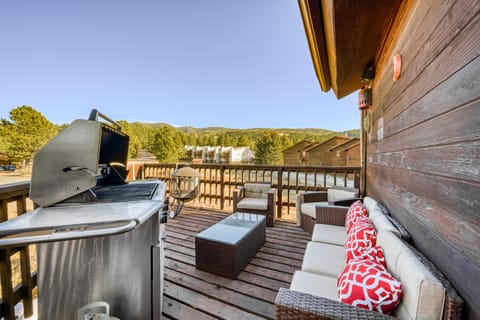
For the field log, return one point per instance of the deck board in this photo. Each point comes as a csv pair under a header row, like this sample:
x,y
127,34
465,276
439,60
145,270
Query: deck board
x,y
195,294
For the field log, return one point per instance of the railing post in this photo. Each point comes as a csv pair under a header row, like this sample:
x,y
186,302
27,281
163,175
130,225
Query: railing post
x,y
25,265
356,179
27,282
279,191
222,187
7,286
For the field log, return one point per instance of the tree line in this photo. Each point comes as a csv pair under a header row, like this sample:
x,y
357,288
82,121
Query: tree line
x,y
27,130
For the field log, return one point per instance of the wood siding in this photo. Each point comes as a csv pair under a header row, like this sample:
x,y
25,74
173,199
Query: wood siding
x,y
293,155
338,158
423,149
353,156
321,154
346,153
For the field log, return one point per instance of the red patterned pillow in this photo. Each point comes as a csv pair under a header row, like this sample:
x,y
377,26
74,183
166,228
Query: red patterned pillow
x,y
367,284
374,254
355,212
361,237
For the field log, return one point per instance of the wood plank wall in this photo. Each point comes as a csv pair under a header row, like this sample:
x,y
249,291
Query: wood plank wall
x,y
321,155
423,149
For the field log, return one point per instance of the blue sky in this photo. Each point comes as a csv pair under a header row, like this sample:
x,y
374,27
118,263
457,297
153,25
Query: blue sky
x,y
236,64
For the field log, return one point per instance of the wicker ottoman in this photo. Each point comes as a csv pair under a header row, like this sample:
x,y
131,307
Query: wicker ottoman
x,y
226,247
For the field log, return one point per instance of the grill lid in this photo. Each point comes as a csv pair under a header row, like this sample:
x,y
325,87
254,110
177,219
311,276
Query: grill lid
x,y
86,154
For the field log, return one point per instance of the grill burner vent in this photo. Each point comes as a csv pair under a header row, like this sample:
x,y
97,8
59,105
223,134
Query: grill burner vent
x,y
125,192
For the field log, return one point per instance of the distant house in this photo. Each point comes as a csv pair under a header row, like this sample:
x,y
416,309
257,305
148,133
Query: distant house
x,y
195,152
237,155
225,154
346,153
320,154
189,152
295,155
217,154
212,155
244,154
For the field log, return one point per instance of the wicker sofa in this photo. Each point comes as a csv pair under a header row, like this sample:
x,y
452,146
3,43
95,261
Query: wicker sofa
x,y
427,294
311,205
255,197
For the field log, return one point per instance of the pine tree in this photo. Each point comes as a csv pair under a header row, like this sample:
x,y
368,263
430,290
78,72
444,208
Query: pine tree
x,y
26,132
167,145
268,149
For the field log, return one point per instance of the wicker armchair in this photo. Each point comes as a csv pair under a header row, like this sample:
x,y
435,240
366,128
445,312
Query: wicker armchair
x,y
325,205
256,198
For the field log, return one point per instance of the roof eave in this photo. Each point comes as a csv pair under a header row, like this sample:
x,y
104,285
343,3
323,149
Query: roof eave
x,y
316,40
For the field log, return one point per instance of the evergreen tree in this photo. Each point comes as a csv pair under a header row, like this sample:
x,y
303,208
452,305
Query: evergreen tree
x,y
135,145
212,140
244,141
167,145
202,140
27,131
225,139
3,135
268,149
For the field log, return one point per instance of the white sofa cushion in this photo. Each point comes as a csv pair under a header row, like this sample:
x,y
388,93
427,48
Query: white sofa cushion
x,y
381,222
253,203
377,217
315,284
337,194
324,259
423,295
256,190
369,203
331,234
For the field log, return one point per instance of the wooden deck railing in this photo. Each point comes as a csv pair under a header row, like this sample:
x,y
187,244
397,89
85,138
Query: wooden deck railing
x,y
17,280
217,181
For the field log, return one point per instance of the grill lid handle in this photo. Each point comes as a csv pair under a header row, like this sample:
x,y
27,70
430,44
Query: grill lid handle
x,y
20,239
94,114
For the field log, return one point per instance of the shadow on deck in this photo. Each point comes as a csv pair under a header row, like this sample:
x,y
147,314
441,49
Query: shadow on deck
x,y
194,294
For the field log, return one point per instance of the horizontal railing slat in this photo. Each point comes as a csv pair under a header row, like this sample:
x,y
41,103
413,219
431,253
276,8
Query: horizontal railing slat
x,y
217,181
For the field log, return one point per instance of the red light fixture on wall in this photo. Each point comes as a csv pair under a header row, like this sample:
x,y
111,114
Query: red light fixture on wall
x,y
397,66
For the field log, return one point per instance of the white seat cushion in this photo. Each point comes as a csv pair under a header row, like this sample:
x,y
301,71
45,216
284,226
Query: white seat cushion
x,y
256,190
324,259
253,203
315,284
423,295
331,234
308,208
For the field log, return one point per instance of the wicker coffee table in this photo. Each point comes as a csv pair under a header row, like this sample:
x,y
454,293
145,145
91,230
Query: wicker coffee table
x,y
226,247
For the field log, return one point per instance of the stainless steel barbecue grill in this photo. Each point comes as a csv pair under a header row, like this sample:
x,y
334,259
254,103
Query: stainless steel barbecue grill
x,y
99,238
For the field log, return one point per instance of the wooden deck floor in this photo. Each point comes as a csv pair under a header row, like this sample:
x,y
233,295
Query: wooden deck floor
x,y
194,294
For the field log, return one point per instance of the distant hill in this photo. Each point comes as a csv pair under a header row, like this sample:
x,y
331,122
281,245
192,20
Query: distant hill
x,y
354,133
